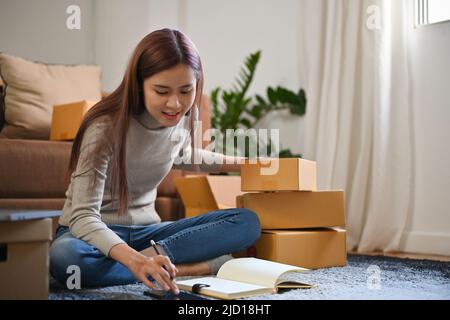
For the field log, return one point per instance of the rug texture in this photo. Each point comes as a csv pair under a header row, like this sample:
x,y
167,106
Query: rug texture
x,y
365,277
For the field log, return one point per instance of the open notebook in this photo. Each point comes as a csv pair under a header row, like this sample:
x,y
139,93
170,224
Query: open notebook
x,y
244,277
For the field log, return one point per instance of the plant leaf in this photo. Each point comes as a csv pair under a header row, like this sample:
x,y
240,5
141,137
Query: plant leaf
x,y
246,123
271,95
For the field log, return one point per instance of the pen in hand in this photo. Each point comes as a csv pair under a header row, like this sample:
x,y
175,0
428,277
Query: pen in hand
x,y
157,252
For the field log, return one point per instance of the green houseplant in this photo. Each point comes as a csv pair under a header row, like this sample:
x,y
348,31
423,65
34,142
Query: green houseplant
x,y
234,109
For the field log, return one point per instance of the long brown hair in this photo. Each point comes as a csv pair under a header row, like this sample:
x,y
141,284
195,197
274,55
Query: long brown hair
x,y
156,52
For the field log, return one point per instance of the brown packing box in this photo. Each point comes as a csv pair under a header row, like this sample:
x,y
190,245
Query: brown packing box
x,y
296,209
311,249
201,194
288,174
66,119
24,259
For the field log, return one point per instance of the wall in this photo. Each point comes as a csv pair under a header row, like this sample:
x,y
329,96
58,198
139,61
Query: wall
x,y
119,26
37,30
428,229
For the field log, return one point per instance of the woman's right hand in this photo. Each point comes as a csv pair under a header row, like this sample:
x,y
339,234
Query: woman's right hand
x,y
159,267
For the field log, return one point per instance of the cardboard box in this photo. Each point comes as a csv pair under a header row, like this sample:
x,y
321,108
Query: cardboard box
x,y
290,174
312,248
66,119
201,194
296,209
24,259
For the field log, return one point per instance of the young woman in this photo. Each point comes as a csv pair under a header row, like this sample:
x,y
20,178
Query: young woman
x,y
123,150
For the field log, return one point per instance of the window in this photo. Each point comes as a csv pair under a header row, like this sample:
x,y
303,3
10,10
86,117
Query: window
x,y
432,11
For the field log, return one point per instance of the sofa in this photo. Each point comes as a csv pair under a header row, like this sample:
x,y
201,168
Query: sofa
x,y
32,173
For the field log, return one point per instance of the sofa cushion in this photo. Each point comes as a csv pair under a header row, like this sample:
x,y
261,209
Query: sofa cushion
x,y
33,88
33,168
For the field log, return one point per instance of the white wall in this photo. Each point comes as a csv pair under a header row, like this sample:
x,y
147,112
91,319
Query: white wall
x,y
37,30
120,25
428,229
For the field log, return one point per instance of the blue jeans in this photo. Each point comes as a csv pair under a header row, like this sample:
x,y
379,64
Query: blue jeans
x,y
187,240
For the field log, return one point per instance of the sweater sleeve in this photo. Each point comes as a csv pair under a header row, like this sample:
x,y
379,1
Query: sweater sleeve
x,y
88,184
208,161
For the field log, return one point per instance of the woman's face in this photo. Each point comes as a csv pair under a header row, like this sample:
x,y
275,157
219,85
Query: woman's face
x,y
169,94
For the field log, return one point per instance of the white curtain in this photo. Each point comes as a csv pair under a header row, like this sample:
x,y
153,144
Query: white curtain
x,y
354,67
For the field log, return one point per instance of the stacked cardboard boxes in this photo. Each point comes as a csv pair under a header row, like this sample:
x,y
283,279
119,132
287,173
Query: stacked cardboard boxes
x,y
300,225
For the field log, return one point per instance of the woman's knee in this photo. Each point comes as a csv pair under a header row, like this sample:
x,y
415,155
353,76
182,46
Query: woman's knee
x,y
66,254
250,223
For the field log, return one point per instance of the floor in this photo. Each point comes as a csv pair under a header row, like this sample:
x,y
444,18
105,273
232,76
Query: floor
x,y
406,255
371,277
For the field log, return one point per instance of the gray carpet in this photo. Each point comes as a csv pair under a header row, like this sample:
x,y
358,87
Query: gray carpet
x,y
365,277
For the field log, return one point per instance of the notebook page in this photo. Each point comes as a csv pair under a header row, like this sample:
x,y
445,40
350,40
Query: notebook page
x,y
224,286
256,271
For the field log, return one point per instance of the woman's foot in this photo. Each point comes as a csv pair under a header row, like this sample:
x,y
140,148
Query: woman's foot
x,y
193,269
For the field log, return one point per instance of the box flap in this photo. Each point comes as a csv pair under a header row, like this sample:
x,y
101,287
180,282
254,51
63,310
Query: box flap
x,y
201,194
196,194
225,189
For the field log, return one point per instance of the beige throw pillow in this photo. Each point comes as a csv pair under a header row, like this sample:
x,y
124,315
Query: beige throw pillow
x,y
32,89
